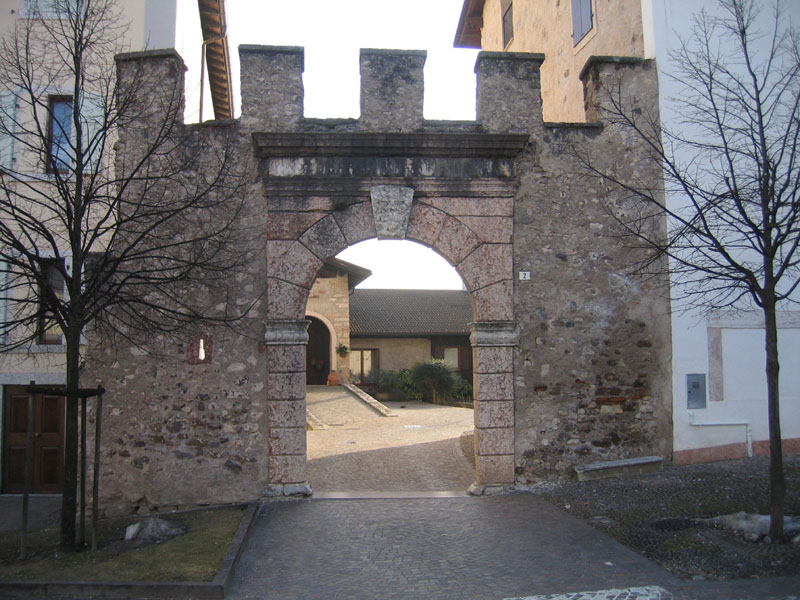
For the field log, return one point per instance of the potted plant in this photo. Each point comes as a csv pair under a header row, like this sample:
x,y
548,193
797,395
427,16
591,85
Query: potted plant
x,y
342,350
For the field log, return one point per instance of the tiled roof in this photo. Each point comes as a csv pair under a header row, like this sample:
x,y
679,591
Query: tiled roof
x,y
403,313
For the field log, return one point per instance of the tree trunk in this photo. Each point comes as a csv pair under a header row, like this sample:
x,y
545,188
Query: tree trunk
x,y
777,480
69,490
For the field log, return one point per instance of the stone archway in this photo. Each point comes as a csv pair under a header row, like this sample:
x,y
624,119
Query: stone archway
x,y
472,228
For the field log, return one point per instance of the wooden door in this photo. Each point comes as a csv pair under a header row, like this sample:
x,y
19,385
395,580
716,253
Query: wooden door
x,y
48,441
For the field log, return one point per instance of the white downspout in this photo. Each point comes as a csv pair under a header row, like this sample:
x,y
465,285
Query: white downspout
x,y
748,433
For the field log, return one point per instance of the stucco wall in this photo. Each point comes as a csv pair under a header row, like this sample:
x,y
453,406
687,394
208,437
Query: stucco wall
x,y
396,353
330,299
728,351
546,27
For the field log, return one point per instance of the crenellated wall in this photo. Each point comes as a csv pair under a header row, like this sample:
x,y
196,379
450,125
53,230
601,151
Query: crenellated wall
x,y
571,366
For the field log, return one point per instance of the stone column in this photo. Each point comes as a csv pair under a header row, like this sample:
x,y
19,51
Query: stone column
x,y
286,341
493,345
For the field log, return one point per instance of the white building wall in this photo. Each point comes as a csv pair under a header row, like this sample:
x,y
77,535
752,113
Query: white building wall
x,y
730,351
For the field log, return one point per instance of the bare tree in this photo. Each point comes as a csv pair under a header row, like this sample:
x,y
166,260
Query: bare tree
x,y
133,242
731,182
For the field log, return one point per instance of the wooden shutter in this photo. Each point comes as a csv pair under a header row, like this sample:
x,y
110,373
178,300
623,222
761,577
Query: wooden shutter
x,y
8,109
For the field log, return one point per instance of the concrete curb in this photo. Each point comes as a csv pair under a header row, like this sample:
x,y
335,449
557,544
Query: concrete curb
x,y
368,400
146,590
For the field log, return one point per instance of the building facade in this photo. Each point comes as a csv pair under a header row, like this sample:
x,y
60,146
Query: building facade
x,y
570,366
718,361
30,172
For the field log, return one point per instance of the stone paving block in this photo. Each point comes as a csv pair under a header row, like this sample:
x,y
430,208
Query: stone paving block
x,y
494,413
492,230
494,302
324,239
286,413
285,300
495,468
494,360
287,440
286,386
484,548
286,359
456,241
476,207
290,225
356,222
292,262
494,386
487,264
287,469
494,441
425,224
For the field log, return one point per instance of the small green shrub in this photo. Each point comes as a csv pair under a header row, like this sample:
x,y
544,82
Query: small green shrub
x,y
433,376
399,382
462,390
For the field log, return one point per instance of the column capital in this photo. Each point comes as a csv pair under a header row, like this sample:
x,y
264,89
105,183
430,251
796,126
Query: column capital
x,y
494,333
286,332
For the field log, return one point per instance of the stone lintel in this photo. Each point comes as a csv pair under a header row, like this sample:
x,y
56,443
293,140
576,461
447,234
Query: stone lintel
x,y
426,145
391,207
494,333
283,190
286,332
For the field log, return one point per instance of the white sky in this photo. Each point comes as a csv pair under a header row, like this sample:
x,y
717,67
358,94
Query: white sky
x,y
332,32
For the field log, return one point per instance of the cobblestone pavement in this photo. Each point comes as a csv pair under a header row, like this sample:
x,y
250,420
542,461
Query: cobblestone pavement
x,y
486,548
361,450
513,546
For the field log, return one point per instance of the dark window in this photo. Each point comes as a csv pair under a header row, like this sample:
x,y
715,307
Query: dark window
x,y
363,365
508,23
59,149
581,19
51,290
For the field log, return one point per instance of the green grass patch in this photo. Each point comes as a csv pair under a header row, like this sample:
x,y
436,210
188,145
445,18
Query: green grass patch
x,y
194,556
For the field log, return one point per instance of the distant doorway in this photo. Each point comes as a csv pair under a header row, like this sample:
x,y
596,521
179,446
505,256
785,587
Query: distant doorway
x,y
48,441
318,353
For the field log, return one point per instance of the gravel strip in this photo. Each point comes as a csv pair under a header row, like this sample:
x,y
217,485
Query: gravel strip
x,y
653,514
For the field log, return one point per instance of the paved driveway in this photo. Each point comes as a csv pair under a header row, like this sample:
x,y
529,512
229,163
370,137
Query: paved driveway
x,y
361,450
486,548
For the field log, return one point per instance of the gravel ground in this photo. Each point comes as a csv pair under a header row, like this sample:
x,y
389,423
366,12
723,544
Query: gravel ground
x,y
652,515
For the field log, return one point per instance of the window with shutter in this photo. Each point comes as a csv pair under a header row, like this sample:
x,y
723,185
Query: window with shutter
x,y
7,116
581,19
41,9
59,134
93,112
52,273
508,22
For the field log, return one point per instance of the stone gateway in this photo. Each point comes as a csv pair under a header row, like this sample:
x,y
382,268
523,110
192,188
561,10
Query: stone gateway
x,y
571,366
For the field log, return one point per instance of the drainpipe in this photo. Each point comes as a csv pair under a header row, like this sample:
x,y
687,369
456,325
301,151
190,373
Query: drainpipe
x,y
747,432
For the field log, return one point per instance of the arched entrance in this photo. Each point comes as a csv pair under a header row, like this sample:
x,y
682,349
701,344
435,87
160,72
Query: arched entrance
x,y
472,233
318,352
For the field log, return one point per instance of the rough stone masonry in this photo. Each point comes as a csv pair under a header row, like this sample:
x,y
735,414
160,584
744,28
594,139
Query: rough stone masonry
x,y
571,366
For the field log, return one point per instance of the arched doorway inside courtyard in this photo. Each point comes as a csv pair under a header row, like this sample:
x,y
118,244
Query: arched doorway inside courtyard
x,y
318,352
